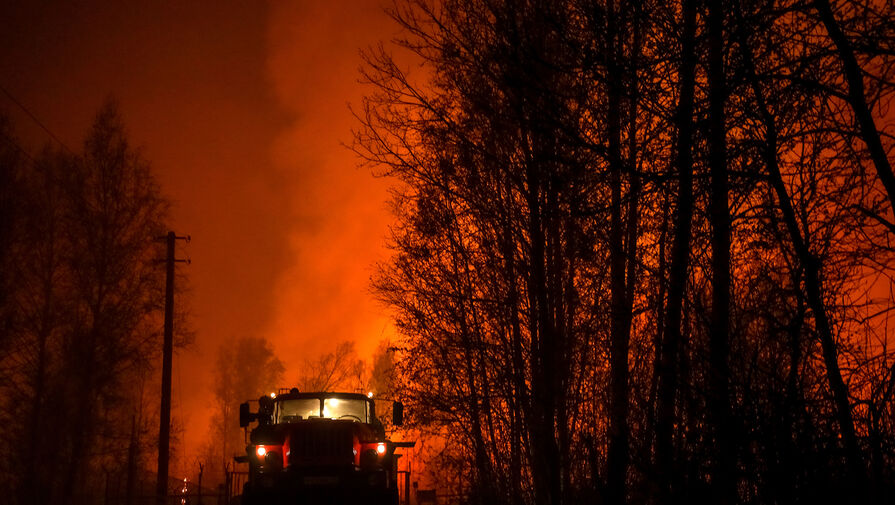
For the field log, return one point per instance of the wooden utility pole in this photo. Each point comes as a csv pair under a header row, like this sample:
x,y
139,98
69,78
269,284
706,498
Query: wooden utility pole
x,y
199,489
164,432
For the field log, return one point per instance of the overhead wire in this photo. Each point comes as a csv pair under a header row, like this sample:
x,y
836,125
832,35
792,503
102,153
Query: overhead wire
x,y
34,118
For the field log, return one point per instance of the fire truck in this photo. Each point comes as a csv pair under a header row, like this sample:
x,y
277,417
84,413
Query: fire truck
x,y
319,448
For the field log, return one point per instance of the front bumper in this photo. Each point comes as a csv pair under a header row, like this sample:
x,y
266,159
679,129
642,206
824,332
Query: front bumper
x,y
317,485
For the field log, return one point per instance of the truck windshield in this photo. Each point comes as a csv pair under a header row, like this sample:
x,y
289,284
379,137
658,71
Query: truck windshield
x,y
338,408
289,411
295,410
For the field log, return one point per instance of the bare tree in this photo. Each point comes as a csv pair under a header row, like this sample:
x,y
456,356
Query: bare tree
x,y
595,274
338,370
85,307
680,254
245,369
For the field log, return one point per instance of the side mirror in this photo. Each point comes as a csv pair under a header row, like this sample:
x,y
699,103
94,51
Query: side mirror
x,y
398,414
245,417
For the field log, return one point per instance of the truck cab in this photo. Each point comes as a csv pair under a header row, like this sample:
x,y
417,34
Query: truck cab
x,y
319,447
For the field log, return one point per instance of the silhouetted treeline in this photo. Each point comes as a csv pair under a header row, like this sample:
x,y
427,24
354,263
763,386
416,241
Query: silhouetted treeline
x,y
245,368
80,301
644,249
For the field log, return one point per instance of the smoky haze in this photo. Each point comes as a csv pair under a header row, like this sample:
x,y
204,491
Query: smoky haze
x,y
242,108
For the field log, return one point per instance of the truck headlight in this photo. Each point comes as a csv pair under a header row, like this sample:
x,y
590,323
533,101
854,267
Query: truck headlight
x,y
269,456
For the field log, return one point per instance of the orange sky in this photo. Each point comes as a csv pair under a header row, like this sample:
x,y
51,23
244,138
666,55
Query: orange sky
x,y
241,107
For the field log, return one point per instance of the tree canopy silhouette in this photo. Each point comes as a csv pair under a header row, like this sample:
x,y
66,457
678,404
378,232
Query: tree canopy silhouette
x,y
80,313
642,249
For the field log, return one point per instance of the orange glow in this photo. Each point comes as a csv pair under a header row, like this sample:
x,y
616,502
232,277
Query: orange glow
x,y
242,111
241,108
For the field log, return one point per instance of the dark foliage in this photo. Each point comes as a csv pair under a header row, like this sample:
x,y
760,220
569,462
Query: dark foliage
x,y
643,249
79,316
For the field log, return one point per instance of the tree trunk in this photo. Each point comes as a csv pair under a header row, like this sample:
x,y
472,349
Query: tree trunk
x,y
668,367
856,98
620,314
520,398
622,263
814,293
722,483
545,460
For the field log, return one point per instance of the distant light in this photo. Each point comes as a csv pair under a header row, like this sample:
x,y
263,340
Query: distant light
x,y
261,451
370,394
380,448
273,395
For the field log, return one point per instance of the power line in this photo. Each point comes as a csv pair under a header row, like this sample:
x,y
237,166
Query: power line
x,y
37,121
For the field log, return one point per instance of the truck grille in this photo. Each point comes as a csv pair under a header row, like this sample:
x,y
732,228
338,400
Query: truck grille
x,y
321,443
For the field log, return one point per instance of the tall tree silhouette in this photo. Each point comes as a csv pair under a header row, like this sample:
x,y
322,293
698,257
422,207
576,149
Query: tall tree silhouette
x,y
85,307
635,247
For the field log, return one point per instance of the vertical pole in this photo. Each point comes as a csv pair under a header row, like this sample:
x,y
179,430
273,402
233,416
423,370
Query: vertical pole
x,y
407,487
164,432
201,469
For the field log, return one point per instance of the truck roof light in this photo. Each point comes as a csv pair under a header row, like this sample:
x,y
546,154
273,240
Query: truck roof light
x,y
370,394
273,395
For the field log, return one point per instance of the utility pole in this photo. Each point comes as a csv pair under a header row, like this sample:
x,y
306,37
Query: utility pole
x,y
164,431
199,489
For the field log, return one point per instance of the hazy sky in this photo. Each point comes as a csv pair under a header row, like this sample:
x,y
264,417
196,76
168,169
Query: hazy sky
x,y
241,107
